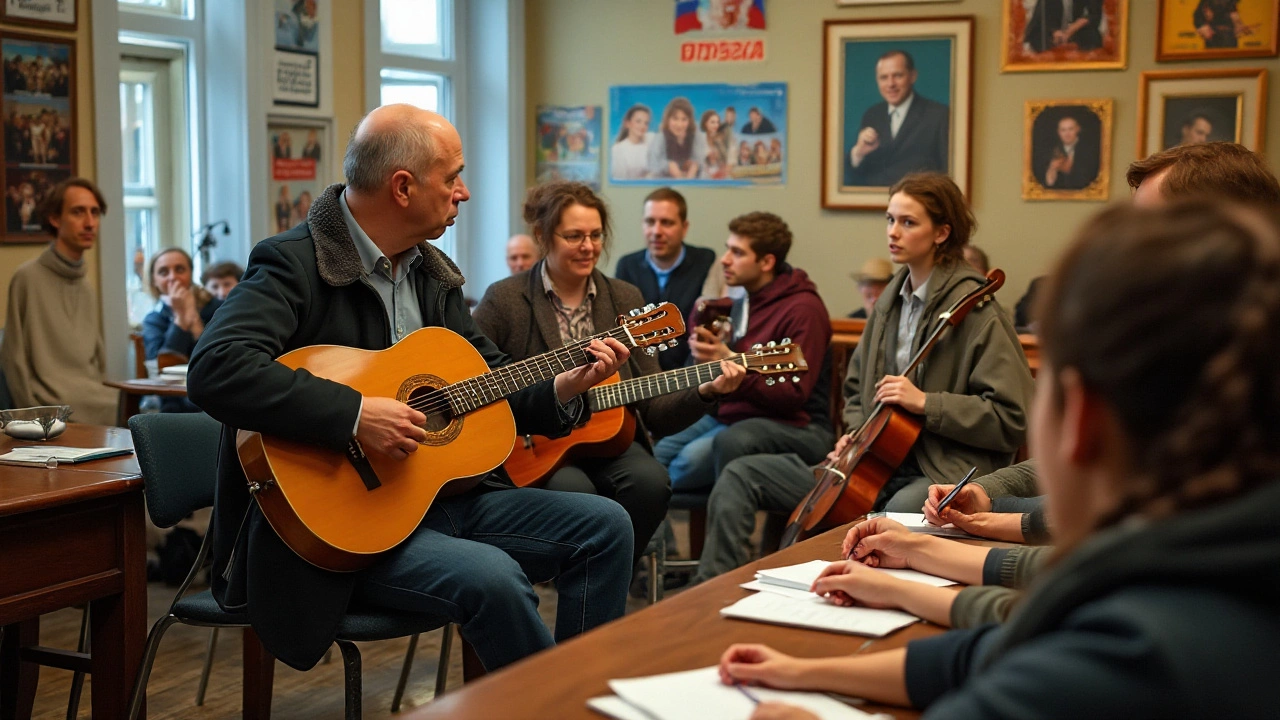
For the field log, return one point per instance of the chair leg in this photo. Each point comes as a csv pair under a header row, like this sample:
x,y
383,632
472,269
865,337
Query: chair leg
x,y
77,678
655,577
351,672
259,677
697,531
404,673
208,666
442,668
144,671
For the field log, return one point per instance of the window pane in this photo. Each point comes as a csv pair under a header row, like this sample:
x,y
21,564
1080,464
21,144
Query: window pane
x,y
173,7
412,27
418,89
137,125
140,244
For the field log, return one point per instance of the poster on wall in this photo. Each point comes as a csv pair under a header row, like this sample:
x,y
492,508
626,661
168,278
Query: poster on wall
x,y
568,146
52,14
719,16
715,134
39,128
297,173
1213,29
297,53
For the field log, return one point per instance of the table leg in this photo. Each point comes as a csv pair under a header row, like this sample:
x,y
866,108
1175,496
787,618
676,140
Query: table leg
x,y
129,405
119,622
259,675
18,679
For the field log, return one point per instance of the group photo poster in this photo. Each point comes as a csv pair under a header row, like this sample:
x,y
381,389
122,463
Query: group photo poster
x,y
568,144
714,134
298,162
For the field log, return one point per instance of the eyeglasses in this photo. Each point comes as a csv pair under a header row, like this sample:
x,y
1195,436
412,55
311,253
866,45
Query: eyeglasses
x,y
577,238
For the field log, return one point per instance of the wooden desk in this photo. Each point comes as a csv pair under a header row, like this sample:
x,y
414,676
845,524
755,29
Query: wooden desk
x,y
132,392
683,632
70,536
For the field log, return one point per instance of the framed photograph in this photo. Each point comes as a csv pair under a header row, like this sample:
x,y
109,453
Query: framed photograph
x,y
298,153
897,97
1194,106
568,145
297,25
296,79
1038,35
52,14
861,3
1214,29
39,127
1067,149
708,134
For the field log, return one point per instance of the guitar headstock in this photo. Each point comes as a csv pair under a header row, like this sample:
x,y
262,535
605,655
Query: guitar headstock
x,y
975,299
652,327
784,359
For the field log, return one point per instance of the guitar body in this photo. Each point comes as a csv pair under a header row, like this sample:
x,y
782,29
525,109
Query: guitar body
x,y
607,434
314,498
849,492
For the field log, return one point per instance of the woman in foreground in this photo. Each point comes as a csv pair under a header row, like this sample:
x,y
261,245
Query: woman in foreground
x,y
1156,425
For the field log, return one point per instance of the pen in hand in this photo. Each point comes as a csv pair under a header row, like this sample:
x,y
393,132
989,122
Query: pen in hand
x,y
956,490
750,696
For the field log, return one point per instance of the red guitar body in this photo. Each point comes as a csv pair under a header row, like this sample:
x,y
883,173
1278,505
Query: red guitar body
x,y
607,434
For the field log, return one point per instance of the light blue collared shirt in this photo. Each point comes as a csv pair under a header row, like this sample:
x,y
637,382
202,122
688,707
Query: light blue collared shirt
x,y
664,275
398,297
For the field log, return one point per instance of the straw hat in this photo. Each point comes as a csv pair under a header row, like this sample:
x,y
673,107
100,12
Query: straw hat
x,y
874,270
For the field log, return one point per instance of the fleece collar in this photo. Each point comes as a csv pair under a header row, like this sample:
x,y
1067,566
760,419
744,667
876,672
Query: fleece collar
x,y
337,258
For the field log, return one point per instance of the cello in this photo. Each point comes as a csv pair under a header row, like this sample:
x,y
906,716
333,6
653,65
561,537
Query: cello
x,y
847,489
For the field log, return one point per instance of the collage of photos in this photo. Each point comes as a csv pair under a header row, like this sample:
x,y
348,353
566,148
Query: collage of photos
x,y
727,135
39,128
568,144
297,178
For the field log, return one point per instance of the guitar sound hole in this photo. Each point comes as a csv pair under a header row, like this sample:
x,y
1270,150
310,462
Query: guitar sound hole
x,y
434,405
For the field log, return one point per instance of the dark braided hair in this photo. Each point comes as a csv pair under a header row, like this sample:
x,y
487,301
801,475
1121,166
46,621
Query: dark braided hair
x,y
1172,316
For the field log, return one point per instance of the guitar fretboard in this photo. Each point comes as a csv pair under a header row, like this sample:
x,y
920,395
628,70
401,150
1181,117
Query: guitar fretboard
x,y
604,397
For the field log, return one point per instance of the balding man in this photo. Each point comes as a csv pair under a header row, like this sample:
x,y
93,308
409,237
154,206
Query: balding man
x,y
521,253
359,273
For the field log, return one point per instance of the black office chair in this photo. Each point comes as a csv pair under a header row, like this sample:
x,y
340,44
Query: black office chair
x,y
178,454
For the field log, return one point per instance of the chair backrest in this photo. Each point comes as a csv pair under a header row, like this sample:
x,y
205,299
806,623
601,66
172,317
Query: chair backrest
x,y
178,454
169,359
139,356
6,399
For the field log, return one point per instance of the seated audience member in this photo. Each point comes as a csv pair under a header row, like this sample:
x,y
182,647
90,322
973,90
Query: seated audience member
x,y
522,253
475,555
872,280
1219,169
53,352
972,393
219,279
1157,325
668,269
977,257
182,311
566,298
1022,311
762,416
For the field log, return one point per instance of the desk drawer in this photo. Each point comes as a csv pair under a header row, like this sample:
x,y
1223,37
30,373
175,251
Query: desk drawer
x,y
43,550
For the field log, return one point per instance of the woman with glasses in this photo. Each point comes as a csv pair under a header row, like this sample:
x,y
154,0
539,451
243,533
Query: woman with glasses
x,y
564,298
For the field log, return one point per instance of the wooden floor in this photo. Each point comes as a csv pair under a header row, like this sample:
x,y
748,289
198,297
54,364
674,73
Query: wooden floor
x,y
317,693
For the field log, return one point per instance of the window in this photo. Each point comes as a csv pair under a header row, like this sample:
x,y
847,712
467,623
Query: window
x,y
162,7
420,89
413,28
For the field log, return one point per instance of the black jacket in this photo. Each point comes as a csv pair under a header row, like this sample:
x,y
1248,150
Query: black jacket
x,y
923,143
1173,618
684,285
306,287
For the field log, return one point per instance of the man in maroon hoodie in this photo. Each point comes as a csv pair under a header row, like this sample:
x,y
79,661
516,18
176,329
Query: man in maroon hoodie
x,y
764,415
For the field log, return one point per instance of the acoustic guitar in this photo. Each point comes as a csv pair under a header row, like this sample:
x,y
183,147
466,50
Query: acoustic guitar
x,y
339,511
612,426
847,489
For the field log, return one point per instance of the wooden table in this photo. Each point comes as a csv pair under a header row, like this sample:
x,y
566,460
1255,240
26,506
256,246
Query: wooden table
x,y
132,392
69,536
684,632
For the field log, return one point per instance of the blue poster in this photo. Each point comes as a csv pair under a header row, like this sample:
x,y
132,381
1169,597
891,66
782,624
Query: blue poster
x,y
568,144
713,135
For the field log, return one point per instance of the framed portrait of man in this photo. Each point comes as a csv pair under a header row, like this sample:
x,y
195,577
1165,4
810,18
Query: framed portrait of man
x,y
1067,149
1217,29
1195,106
897,98
1064,35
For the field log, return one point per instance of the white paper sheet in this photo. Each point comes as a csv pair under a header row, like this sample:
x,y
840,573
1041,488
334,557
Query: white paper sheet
x,y
915,522
817,614
699,694
802,576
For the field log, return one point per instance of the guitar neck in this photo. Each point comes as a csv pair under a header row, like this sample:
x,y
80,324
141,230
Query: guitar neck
x,y
604,397
474,393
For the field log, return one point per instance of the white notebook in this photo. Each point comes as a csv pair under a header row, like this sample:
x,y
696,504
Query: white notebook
x,y
699,694
915,522
802,576
54,455
817,614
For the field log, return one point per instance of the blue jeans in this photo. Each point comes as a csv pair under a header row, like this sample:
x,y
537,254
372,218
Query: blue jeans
x,y
474,560
696,456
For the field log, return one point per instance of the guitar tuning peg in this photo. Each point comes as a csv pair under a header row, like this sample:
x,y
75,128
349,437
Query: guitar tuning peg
x,y
757,346
795,378
672,342
786,341
634,313
782,378
649,307
770,382
651,350
772,344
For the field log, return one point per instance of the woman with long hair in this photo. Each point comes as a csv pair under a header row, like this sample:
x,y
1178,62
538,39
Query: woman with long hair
x,y
678,149
1157,432
629,156
181,312
565,298
717,142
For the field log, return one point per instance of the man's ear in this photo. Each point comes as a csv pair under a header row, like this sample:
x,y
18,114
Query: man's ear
x,y
769,262
401,185
55,221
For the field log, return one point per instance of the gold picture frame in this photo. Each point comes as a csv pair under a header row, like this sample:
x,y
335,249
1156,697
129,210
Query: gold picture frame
x,y
1101,43
1183,25
1062,161
1175,106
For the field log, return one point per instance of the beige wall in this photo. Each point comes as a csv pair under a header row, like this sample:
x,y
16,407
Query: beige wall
x,y
348,68
11,256
577,49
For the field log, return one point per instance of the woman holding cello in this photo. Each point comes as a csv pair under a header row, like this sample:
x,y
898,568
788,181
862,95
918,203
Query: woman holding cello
x,y
971,393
